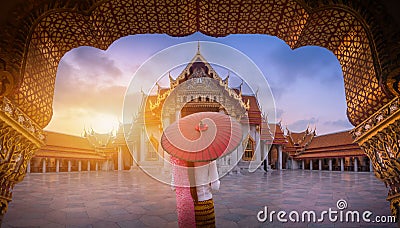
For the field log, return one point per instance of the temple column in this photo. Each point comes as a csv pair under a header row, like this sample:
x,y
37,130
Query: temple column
x,y
235,158
88,165
97,166
303,165
265,154
142,145
342,164
355,164
57,166
266,163
310,164
279,157
106,165
295,164
44,165
79,165
257,152
319,164
28,166
371,168
69,166
330,164
119,158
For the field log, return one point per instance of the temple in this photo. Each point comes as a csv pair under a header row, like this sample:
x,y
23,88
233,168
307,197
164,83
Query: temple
x,y
199,88
304,150
307,150
91,152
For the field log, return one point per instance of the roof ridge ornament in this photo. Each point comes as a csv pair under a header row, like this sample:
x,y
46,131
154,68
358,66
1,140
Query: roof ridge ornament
x,y
198,46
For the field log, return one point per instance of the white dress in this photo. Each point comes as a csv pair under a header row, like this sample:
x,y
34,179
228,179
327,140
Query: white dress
x,y
207,180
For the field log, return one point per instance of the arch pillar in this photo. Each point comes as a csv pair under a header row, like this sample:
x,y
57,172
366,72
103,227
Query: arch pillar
x,y
373,136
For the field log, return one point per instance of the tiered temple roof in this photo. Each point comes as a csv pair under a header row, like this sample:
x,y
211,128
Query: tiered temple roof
x,y
338,144
198,67
279,137
60,145
98,140
254,112
298,141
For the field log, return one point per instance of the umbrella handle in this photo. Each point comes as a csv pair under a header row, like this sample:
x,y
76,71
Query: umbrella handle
x,y
201,126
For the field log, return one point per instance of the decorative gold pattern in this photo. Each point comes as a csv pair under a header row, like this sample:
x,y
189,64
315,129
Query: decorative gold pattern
x,y
14,117
284,19
376,122
61,27
15,152
203,85
395,205
340,32
379,136
64,29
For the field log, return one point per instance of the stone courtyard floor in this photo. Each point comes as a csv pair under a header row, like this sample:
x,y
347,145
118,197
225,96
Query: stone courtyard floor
x,y
133,199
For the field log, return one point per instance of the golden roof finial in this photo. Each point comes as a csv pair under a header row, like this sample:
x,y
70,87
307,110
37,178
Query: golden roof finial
x,y
240,86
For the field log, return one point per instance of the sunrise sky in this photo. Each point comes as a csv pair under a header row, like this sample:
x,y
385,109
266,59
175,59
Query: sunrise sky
x,y
307,83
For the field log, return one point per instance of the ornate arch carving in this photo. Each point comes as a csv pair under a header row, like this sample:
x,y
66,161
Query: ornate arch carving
x,y
49,29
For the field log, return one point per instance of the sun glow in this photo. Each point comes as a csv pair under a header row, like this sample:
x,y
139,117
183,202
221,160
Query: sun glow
x,y
104,123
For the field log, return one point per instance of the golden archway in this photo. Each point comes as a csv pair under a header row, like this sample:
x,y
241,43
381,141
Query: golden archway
x,y
36,34
50,30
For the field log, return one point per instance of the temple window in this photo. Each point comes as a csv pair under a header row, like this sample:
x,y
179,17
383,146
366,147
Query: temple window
x,y
249,151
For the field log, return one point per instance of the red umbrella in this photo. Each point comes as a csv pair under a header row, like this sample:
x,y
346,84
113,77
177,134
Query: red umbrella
x,y
203,136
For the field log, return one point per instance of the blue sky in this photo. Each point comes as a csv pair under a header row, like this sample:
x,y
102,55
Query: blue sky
x,y
307,83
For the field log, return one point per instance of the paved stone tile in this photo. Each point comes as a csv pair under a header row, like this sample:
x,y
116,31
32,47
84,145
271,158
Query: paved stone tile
x,y
133,199
152,221
131,223
105,224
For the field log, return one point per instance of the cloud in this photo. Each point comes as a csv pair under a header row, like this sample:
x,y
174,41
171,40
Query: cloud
x,y
301,125
95,63
105,99
340,123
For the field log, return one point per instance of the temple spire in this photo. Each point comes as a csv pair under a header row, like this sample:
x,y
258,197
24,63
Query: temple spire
x,y
240,88
198,47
